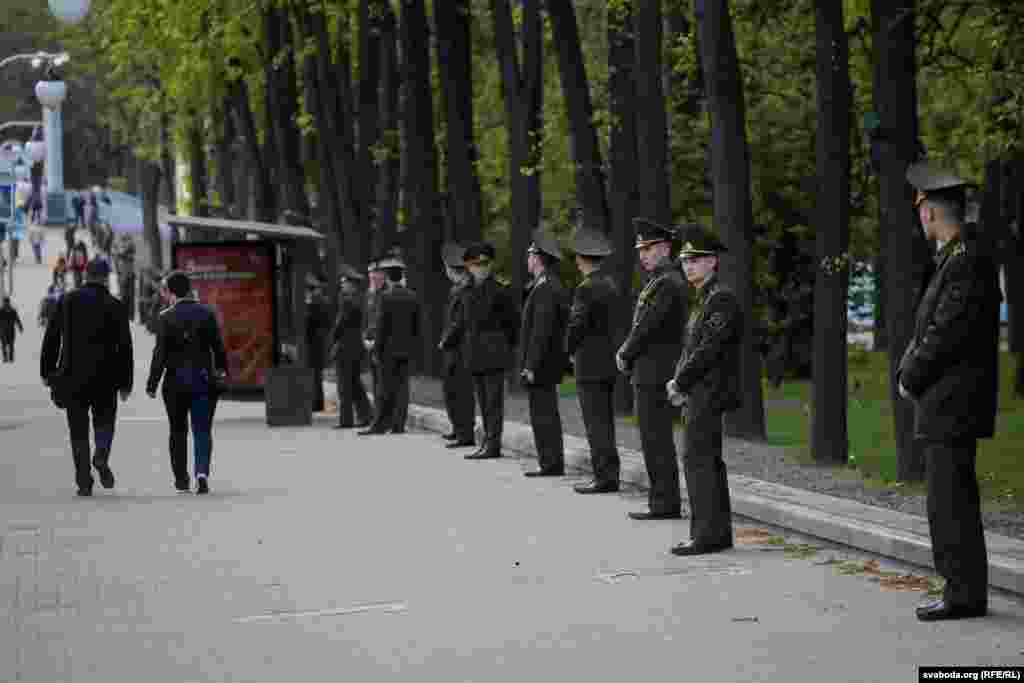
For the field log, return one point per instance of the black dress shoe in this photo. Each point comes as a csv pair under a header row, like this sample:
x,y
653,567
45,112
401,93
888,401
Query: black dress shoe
x,y
655,515
693,548
398,431
461,443
594,487
545,473
483,455
363,424
106,475
941,610
84,492
202,488
371,431
450,436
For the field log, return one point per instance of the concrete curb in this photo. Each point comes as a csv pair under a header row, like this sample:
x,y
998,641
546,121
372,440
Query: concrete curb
x,y
884,532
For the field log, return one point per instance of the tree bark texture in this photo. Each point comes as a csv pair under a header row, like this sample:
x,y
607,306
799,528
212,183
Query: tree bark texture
x,y
829,441
263,185
730,169
907,254
423,223
225,163
651,120
197,168
167,176
372,16
387,159
149,180
454,57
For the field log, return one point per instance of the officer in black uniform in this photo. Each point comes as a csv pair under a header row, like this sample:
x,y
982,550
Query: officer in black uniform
x,y
649,355
491,322
396,341
457,382
378,280
950,373
590,342
318,324
87,360
347,337
708,376
542,359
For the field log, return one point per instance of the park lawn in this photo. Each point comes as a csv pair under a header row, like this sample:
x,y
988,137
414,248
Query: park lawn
x,y
870,428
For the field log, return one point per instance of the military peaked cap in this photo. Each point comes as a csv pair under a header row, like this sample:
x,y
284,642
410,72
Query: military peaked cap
x,y
451,254
699,241
545,243
931,180
479,252
648,232
590,243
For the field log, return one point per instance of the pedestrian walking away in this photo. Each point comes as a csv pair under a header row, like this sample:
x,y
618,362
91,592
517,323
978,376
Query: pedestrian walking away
x,y
190,362
86,360
649,356
590,342
491,328
10,324
707,376
457,383
349,353
543,360
37,238
950,372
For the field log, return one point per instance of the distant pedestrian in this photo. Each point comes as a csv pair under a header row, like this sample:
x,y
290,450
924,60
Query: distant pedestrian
x,y
10,323
190,360
78,206
60,272
86,360
649,355
347,337
543,360
708,377
950,371
124,259
457,382
590,340
37,238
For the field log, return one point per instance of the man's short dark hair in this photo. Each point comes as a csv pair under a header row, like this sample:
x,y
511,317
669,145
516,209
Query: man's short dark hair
x,y
394,274
178,283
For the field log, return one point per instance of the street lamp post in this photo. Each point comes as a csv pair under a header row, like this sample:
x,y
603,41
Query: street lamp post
x,y
51,95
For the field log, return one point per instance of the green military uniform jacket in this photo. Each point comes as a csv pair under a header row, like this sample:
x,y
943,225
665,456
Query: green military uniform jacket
x,y
655,341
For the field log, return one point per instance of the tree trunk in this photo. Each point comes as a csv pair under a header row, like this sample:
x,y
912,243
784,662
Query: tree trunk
x,y
387,159
906,252
622,189
426,275
263,184
149,180
454,57
168,176
829,442
651,126
225,160
371,19
197,168
730,169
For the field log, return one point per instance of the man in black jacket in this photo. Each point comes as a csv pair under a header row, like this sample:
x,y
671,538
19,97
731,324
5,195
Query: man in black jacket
x,y
590,342
708,376
86,359
543,359
491,326
457,382
348,358
950,371
318,322
396,340
10,322
189,357
649,355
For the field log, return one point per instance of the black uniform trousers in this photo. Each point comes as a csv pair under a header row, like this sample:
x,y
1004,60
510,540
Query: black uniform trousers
x,y
101,404
707,483
954,520
7,346
490,396
393,401
318,387
597,404
351,392
654,418
547,427
458,398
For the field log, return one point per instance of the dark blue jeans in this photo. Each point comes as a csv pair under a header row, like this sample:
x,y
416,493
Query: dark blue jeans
x,y
182,408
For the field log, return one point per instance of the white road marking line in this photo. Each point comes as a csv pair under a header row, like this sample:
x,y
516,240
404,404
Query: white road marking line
x,y
391,607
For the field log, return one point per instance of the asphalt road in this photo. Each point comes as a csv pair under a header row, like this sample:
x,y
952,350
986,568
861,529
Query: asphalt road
x,y
325,556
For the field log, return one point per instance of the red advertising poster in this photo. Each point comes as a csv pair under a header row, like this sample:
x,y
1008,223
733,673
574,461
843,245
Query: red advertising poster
x,y
237,280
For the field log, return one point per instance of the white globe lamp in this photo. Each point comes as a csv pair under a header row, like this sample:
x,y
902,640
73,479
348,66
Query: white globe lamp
x,y
69,11
51,93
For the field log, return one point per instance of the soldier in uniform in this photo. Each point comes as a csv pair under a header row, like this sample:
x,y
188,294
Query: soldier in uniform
x,y
708,376
950,373
348,339
318,322
491,323
458,385
396,338
543,360
378,283
10,322
590,342
649,355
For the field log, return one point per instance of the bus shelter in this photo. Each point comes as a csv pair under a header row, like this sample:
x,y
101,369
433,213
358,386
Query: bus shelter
x,y
254,276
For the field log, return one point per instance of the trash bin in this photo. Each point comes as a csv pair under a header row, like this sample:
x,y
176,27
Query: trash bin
x,y
289,396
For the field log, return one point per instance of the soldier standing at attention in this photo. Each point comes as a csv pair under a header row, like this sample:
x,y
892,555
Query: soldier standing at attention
x,y
649,354
378,283
708,374
347,336
590,342
318,321
458,385
491,324
950,371
543,360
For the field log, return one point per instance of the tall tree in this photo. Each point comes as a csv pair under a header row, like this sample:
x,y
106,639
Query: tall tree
x,y
523,88
829,441
265,195
651,119
149,181
454,58
907,255
371,20
386,158
730,171
198,190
